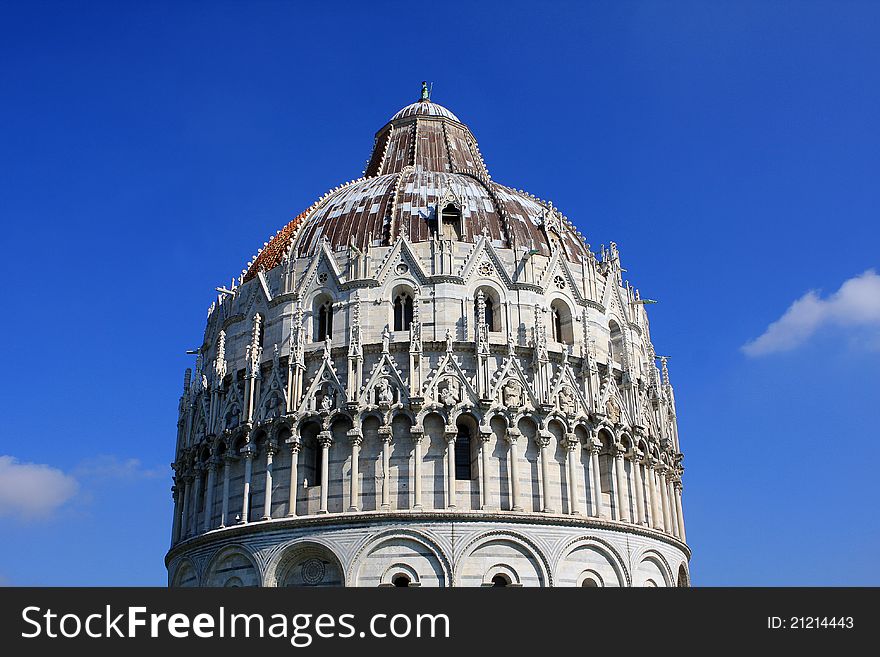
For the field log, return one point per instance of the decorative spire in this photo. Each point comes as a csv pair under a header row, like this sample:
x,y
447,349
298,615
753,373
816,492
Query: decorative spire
x,y
426,94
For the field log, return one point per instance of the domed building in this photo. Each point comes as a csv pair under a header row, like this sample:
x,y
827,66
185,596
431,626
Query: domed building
x,y
427,378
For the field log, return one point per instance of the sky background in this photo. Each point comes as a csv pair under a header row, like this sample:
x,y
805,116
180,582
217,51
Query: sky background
x,y
731,149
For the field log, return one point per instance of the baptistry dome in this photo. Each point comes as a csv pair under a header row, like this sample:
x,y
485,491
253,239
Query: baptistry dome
x,y
427,378
425,178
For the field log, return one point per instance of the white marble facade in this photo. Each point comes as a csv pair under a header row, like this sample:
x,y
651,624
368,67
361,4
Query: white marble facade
x,y
354,404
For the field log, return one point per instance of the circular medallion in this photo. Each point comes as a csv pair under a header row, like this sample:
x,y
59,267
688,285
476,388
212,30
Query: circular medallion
x,y
313,571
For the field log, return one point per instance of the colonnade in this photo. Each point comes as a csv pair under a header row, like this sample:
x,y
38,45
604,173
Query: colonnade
x,y
655,501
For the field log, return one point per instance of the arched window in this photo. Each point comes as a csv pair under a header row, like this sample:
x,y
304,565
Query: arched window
x,y
589,583
401,581
490,313
403,311
317,463
560,316
615,345
203,493
463,454
323,320
606,473
493,312
450,223
500,580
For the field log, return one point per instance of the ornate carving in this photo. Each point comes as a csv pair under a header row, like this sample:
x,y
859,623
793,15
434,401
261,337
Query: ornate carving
x,y
612,410
449,391
512,393
384,391
313,571
566,400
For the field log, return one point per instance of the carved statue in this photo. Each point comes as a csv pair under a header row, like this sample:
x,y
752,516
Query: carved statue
x,y
386,340
512,393
327,401
612,410
384,393
450,393
449,340
566,400
327,348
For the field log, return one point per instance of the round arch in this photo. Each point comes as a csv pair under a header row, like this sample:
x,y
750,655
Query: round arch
x,y
305,563
185,574
231,561
590,553
413,549
521,551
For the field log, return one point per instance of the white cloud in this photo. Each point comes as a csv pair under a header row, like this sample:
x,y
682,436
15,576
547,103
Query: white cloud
x,y
32,491
107,466
855,305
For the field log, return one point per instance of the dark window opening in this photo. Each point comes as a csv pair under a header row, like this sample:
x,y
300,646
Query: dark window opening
x,y
463,455
489,312
500,580
318,464
589,583
615,346
325,322
403,312
557,325
401,581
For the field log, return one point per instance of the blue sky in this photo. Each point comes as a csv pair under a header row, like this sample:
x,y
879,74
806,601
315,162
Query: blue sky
x,y
731,150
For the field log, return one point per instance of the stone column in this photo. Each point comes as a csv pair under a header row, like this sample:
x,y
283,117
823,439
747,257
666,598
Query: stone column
x,y
209,495
187,486
417,435
661,475
294,475
267,499
678,487
512,437
596,478
572,444
197,498
385,436
670,495
177,496
650,473
248,453
640,493
484,482
620,484
544,443
356,441
450,469
324,440
228,460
